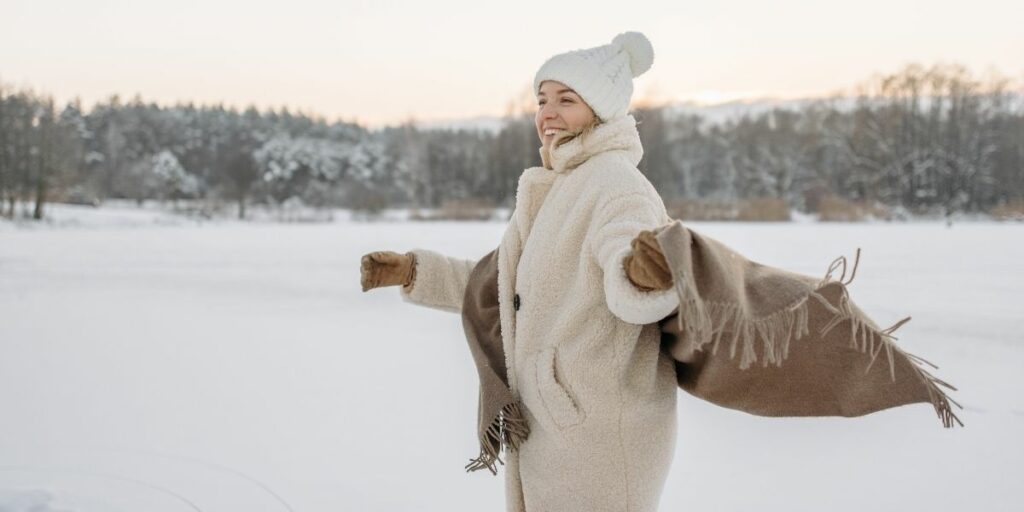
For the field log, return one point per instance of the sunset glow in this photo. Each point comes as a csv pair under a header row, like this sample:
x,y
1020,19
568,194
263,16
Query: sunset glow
x,y
385,62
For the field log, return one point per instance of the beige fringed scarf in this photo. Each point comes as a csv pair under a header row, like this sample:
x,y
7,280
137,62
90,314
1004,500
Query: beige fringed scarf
x,y
761,313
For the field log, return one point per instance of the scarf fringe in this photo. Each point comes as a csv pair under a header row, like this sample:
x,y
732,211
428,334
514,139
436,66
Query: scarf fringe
x,y
508,429
706,322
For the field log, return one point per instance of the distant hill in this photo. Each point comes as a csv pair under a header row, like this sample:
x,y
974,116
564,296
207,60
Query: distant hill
x,y
716,113
491,124
722,112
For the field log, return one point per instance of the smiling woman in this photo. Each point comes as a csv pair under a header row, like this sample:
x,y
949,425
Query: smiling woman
x,y
561,116
588,409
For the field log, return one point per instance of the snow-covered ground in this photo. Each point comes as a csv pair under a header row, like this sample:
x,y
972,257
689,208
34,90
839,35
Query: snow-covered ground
x,y
173,366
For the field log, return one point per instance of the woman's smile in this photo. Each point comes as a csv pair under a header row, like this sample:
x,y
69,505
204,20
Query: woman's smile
x,y
551,133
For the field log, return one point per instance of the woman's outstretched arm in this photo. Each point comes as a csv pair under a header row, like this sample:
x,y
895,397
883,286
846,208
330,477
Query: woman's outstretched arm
x,y
426,278
439,281
619,219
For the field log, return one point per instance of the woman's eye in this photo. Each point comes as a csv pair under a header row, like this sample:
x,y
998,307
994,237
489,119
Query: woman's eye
x,y
564,100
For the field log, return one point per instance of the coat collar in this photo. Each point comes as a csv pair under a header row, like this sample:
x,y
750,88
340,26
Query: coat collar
x,y
616,134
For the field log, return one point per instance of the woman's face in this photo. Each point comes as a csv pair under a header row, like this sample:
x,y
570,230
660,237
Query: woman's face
x,y
560,112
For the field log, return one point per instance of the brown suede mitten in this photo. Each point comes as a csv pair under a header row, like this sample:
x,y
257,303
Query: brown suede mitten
x,y
646,266
386,268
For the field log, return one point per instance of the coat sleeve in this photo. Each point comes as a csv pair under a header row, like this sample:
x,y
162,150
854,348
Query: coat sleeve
x,y
619,219
440,281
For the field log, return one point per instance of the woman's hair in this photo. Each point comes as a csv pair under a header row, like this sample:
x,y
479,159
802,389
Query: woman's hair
x,y
587,130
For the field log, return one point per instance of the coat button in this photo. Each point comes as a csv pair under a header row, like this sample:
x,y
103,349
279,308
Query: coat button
x,y
516,302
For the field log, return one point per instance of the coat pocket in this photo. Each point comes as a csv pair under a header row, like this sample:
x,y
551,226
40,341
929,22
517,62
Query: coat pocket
x,y
561,406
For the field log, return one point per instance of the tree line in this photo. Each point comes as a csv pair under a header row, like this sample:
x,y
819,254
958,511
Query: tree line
x,y
924,139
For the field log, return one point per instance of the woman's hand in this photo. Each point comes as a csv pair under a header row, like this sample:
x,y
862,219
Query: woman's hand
x,y
386,268
646,266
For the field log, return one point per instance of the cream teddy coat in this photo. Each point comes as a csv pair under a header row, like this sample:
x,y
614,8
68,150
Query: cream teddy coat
x,y
582,345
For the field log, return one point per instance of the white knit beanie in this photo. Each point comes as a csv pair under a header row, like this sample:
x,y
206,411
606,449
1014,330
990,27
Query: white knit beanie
x,y
603,75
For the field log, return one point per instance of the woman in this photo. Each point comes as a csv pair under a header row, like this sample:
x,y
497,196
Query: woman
x,y
577,303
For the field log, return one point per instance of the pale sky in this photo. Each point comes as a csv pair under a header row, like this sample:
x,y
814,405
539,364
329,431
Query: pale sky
x,y
382,62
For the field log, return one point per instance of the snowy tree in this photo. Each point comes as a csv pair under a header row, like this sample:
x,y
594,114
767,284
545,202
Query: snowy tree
x,y
928,139
174,182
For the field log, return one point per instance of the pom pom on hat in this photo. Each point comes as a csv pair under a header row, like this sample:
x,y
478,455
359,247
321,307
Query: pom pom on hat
x,y
603,75
641,53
